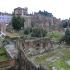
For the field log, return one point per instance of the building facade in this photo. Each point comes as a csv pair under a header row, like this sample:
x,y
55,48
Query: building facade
x,y
23,12
5,17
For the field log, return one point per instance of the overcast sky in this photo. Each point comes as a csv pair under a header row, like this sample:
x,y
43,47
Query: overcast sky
x,y
59,8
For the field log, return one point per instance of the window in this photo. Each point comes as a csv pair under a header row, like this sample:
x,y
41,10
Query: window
x,y
2,17
7,18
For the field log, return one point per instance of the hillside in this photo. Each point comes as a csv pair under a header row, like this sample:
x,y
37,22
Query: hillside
x,y
44,13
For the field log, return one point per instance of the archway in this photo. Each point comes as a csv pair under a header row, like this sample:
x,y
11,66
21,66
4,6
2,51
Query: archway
x,y
37,47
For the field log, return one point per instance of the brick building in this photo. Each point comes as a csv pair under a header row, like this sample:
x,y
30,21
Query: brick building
x,y
23,12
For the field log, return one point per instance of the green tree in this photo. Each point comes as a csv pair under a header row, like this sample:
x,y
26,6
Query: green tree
x,y
26,31
17,22
32,25
66,24
30,30
38,31
66,37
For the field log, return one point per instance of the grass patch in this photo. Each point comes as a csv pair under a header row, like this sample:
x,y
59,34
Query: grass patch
x,y
29,55
2,49
58,64
38,60
61,63
7,39
66,54
4,55
18,35
56,36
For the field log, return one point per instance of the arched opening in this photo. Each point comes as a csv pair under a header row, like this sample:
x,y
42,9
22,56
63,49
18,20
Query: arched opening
x,y
37,47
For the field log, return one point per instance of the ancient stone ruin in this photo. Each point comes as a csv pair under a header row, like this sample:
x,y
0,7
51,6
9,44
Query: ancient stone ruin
x,y
3,27
32,45
22,61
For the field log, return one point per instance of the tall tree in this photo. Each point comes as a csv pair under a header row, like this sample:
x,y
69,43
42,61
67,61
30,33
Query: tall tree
x,y
17,22
66,37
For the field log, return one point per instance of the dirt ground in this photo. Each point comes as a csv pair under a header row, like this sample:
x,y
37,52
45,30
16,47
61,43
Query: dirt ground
x,y
11,34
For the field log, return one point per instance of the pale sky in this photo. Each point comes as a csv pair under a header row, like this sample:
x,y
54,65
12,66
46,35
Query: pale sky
x,y
59,8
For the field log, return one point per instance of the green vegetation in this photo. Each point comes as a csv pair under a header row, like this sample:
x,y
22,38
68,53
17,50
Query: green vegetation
x,y
45,13
38,31
29,55
26,31
10,30
30,30
55,36
66,37
17,22
66,24
18,35
37,60
61,63
3,55
58,64
2,49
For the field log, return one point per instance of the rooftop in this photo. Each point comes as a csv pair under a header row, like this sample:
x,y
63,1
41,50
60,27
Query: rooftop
x,y
21,8
5,13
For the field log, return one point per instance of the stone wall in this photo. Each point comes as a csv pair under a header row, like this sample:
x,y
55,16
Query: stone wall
x,y
26,64
44,43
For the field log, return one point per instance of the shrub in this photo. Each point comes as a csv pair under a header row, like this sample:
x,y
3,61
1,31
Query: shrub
x,y
38,31
26,31
30,30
